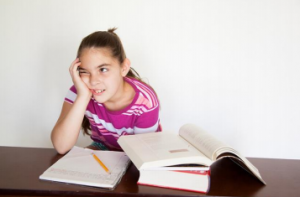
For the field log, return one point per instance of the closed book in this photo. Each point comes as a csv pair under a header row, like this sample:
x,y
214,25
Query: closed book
x,y
196,181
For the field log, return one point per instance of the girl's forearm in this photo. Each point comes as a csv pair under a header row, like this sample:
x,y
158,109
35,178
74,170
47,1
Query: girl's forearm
x,y
66,131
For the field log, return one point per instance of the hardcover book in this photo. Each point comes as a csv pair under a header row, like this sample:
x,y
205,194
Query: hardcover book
x,y
162,150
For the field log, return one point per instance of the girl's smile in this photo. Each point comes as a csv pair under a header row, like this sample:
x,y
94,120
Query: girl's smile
x,y
98,92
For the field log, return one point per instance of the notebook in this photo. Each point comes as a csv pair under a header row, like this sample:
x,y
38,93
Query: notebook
x,y
79,166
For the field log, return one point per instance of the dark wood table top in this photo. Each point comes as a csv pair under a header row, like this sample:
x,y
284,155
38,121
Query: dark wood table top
x,y
20,169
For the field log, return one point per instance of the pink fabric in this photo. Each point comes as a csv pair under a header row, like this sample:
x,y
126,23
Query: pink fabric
x,y
141,116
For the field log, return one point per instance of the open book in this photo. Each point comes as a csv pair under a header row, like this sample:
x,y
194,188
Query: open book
x,y
192,146
79,166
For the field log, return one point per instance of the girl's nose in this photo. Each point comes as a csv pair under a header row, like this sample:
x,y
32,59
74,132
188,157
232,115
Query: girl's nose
x,y
94,80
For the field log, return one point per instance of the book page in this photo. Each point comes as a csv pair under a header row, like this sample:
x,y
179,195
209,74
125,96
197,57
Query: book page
x,y
79,167
184,167
202,140
240,160
160,149
214,148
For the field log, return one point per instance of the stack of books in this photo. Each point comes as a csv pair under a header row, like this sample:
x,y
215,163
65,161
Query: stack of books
x,y
183,161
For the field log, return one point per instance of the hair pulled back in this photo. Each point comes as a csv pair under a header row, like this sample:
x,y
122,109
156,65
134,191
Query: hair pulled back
x,y
109,40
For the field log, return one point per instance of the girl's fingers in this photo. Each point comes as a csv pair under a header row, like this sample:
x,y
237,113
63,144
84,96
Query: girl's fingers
x,y
74,67
73,63
79,84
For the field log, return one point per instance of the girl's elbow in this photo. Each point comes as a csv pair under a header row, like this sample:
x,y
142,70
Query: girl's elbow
x,y
61,150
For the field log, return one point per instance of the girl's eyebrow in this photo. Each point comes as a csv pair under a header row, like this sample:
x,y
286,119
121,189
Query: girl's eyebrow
x,y
103,65
80,68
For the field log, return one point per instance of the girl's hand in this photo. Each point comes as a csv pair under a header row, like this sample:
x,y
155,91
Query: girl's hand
x,y
81,87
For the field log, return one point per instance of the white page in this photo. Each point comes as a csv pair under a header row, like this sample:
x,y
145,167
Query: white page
x,y
80,167
203,141
214,148
160,149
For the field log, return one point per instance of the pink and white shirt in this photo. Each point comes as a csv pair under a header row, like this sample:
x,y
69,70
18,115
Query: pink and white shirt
x,y
141,116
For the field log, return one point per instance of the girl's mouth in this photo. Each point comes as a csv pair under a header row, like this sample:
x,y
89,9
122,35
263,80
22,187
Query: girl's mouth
x,y
98,92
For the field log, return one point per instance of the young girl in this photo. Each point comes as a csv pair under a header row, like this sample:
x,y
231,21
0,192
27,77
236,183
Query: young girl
x,y
108,97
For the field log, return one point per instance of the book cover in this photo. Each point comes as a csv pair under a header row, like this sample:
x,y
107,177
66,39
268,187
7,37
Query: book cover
x,y
192,180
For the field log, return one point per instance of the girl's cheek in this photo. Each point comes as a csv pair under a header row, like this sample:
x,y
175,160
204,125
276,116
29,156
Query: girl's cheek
x,y
85,79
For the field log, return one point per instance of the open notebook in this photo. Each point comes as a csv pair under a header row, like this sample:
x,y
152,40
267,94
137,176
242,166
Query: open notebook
x,y
79,166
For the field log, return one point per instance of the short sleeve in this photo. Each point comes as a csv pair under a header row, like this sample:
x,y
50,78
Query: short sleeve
x,y
71,95
148,122
145,108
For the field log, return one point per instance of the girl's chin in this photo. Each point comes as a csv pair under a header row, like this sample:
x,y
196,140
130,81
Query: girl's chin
x,y
98,99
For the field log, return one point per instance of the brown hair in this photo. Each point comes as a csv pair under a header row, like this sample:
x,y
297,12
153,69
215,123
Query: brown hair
x,y
110,40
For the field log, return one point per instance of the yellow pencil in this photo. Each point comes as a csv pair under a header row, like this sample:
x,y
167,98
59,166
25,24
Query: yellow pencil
x,y
101,164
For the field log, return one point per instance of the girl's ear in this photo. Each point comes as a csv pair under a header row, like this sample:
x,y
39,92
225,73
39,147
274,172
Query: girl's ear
x,y
125,67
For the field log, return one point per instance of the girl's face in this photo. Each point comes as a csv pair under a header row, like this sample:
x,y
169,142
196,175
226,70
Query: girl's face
x,y
102,74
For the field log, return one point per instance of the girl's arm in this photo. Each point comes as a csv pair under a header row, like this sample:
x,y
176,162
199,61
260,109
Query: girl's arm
x,y
66,130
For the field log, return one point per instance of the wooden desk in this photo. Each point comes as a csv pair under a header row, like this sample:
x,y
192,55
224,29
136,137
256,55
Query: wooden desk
x,y
20,169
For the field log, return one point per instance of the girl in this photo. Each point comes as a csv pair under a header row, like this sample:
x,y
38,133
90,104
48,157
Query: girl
x,y
108,97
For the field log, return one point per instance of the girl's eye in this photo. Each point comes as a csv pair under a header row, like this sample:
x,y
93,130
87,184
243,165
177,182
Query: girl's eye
x,y
82,72
103,70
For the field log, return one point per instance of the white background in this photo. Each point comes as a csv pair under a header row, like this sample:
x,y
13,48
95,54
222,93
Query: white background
x,y
230,67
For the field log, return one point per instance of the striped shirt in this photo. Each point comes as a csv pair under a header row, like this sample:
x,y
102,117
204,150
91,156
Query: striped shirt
x,y
141,116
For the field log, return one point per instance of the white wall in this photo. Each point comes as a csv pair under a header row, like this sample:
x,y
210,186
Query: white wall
x,y
230,67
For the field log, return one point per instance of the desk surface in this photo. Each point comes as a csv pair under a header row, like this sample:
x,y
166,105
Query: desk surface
x,y
20,169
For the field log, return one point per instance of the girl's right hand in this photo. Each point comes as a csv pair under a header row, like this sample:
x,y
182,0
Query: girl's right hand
x,y
81,87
